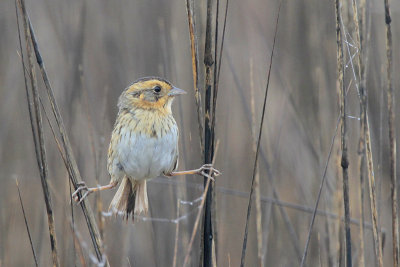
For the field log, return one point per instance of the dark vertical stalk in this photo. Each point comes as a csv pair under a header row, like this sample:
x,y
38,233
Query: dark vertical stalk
x,y
208,146
392,135
344,160
213,119
39,141
246,229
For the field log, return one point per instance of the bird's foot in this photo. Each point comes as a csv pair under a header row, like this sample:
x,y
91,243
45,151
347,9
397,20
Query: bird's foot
x,y
209,171
81,187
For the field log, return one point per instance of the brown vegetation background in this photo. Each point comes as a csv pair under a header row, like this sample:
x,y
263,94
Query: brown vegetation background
x,y
94,49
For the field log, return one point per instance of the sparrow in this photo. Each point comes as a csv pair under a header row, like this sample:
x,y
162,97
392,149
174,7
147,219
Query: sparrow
x,y
144,145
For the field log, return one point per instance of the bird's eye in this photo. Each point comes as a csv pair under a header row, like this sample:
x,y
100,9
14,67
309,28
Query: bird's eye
x,y
157,89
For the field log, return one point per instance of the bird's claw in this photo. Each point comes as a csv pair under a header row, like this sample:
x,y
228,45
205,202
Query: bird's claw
x,y
81,186
209,171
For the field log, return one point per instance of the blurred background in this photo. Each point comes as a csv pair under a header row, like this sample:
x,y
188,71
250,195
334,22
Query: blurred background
x,y
94,49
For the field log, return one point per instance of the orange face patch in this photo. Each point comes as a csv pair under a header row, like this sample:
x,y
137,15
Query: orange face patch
x,y
148,85
158,105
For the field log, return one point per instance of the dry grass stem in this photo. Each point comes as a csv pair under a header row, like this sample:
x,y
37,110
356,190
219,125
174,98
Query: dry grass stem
x,y
26,224
303,259
358,22
392,135
195,67
197,221
176,234
257,177
344,159
246,229
73,170
39,141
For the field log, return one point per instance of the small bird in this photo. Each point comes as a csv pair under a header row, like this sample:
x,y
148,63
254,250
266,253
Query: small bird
x,y
144,145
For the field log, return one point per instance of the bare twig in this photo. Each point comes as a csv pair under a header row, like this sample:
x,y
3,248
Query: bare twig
x,y
246,229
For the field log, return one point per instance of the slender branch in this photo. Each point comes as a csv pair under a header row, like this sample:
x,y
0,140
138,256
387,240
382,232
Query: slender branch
x,y
246,229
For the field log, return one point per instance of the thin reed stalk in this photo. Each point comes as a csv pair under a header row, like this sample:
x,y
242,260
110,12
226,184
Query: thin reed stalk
x,y
197,221
319,194
285,216
195,68
358,22
246,229
372,195
39,142
196,224
72,166
344,159
257,177
176,234
392,135
26,225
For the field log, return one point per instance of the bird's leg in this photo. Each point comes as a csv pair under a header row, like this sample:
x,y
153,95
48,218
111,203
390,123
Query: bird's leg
x,y
82,187
201,171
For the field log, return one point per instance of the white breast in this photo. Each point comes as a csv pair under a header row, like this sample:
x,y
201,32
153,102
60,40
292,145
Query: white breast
x,y
144,157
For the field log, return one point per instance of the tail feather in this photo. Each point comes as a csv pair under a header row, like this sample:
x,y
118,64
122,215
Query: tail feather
x,y
142,204
130,198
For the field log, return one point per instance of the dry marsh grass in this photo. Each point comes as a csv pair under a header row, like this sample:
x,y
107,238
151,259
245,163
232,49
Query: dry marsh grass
x,y
93,49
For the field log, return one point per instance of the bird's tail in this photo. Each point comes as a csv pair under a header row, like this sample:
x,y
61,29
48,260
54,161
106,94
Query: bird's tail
x,y
130,198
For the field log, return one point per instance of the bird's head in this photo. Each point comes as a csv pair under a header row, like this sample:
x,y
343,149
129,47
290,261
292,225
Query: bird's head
x,y
149,93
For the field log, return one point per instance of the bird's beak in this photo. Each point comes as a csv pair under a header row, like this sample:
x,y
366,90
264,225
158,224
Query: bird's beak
x,y
176,91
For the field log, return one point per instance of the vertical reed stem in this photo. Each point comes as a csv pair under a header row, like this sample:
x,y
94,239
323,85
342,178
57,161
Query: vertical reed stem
x,y
208,145
392,135
344,160
358,22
